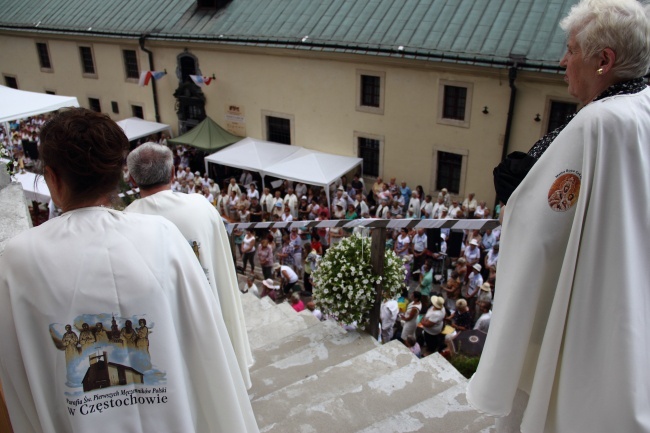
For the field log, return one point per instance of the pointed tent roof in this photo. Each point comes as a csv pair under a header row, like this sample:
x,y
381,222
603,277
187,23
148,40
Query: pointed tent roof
x,y
315,168
251,154
207,135
135,127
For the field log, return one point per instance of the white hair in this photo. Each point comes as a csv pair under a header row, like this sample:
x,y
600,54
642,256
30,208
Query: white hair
x,y
622,25
150,165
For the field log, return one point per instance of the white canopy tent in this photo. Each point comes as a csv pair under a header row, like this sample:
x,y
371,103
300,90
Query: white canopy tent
x,y
285,162
18,104
135,128
314,168
250,154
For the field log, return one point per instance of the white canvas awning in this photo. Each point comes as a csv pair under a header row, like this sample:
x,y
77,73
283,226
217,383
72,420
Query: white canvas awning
x,y
19,104
135,128
251,154
313,167
285,162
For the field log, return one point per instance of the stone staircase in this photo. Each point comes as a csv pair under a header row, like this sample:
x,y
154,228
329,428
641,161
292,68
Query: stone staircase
x,y
312,376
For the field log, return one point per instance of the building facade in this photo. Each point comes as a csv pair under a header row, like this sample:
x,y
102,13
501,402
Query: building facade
x,y
426,111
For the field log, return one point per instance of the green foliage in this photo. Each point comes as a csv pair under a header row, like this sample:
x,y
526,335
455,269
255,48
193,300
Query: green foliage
x,y
466,365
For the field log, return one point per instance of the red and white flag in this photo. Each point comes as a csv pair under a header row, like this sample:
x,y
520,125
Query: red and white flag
x,y
145,76
201,81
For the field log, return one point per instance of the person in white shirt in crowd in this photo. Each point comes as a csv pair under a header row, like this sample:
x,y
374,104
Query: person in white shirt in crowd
x,y
233,205
484,297
266,201
189,176
181,172
472,253
388,315
286,215
432,324
205,180
492,256
426,208
222,203
414,204
483,322
291,200
246,178
249,286
248,249
419,245
214,188
232,186
207,195
455,211
287,277
436,212
300,189
446,198
311,306
176,185
481,212
473,286
383,210
252,191
470,205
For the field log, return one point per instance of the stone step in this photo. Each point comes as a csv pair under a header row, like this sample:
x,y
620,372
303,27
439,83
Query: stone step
x,y
446,412
280,329
265,312
355,393
286,347
311,359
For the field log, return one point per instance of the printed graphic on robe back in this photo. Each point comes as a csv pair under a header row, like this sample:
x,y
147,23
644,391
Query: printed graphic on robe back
x,y
564,192
102,350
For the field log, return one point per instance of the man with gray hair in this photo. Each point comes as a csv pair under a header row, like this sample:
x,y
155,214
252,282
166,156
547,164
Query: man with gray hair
x,y
151,168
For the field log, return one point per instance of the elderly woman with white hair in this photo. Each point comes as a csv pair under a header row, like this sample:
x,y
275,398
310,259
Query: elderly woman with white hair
x,y
568,344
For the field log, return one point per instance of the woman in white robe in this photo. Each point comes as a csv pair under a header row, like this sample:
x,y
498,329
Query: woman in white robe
x,y
569,328
93,263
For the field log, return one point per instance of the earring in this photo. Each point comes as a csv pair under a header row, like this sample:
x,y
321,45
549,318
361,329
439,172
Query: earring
x,y
600,71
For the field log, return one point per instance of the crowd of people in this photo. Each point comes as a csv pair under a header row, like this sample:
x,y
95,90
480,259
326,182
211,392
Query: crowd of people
x,y
22,139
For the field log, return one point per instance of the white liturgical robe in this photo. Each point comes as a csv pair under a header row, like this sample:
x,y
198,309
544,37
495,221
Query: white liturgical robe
x,y
202,227
570,320
109,325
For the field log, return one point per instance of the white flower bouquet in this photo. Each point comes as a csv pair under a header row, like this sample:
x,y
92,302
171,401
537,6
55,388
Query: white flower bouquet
x,y
344,283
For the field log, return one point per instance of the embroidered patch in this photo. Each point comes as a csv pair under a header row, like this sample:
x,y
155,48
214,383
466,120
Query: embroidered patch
x,y
564,191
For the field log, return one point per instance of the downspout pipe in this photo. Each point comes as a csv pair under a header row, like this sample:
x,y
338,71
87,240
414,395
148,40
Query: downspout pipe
x,y
512,76
154,90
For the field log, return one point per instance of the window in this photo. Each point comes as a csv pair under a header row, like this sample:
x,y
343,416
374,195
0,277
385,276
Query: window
x,y
131,64
278,130
115,107
11,82
558,114
369,149
455,100
87,62
449,171
136,111
44,56
370,90
93,104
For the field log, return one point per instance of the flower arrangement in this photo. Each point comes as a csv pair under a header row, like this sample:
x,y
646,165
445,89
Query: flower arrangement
x,y
344,283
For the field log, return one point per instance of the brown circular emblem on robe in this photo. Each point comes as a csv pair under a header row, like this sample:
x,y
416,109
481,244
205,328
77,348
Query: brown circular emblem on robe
x,y
564,192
